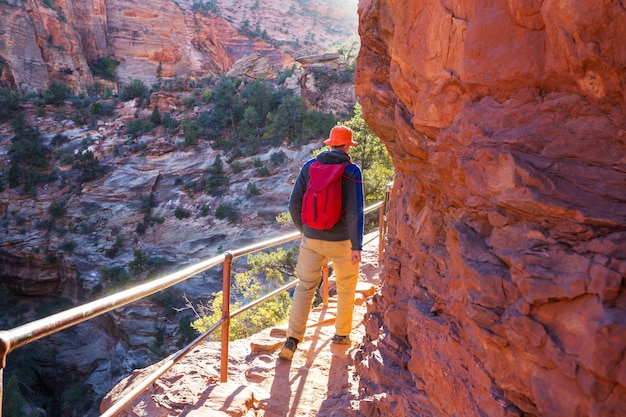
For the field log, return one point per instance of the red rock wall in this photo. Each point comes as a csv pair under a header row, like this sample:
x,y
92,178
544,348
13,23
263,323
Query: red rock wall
x,y
42,43
49,41
503,289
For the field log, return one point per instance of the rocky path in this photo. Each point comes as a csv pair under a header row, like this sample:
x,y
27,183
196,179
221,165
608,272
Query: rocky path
x,y
320,381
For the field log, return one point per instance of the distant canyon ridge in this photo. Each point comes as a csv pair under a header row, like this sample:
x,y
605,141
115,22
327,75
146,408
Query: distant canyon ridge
x,y
57,40
503,289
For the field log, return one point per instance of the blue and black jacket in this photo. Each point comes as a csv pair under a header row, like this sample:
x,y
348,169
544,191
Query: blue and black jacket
x,y
351,224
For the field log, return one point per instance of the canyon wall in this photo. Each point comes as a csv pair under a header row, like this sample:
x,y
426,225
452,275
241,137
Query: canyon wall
x,y
58,40
503,288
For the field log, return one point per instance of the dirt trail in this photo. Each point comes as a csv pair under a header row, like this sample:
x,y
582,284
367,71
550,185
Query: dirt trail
x,y
320,380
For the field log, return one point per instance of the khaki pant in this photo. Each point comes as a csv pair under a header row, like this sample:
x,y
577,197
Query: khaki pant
x,y
309,270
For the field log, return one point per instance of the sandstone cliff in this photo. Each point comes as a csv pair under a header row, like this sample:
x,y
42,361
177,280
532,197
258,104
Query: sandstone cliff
x,y
43,41
503,289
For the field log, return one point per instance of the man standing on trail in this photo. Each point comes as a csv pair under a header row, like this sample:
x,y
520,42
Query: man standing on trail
x,y
341,242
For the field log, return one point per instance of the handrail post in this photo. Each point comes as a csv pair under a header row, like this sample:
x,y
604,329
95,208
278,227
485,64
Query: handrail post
x,y
228,261
1,379
382,221
325,283
4,351
381,231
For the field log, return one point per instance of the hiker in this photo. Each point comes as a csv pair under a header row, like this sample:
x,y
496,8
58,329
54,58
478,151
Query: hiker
x,y
341,242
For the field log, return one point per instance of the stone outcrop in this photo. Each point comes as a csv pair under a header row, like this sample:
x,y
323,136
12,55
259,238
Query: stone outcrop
x,y
503,289
253,67
35,274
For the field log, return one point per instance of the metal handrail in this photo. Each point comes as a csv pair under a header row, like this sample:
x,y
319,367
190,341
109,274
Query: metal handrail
x,y
27,333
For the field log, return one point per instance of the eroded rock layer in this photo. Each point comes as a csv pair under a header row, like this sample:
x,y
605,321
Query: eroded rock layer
x,y
503,291
45,41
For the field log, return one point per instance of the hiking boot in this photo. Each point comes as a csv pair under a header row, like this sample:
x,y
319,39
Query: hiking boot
x,y
288,349
342,340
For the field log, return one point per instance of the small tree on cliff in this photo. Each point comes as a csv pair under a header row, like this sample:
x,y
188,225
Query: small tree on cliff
x,y
28,154
56,93
136,89
104,67
371,154
267,272
9,104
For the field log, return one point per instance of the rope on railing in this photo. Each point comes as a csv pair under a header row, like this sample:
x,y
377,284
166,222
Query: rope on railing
x,y
27,333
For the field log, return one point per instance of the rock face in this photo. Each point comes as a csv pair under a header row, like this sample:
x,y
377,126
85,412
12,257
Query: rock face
x,y
503,291
43,41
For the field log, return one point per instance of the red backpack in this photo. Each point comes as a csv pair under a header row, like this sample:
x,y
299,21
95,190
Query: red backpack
x,y
322,203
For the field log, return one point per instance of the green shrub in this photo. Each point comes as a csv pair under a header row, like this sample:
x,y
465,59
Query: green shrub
x,y
185,332
57,208
236,167
141,228
59,139
69,246
284,74
284,219
142,263
155,117
29,157
89,166
9,104
226,211
52,306
115,249
262,172
372,156
112,252
87,227
147,203
208,6
252,189
136,89
57,93
169,122
14,403
136,128
181,213
216,177
116,275
102,109
278,158
104,67
190,134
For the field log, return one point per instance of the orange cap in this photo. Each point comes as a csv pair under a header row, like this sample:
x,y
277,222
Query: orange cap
x,y
340,135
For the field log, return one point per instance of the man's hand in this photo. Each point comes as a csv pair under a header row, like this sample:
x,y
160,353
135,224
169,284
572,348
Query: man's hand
x,y
356,256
